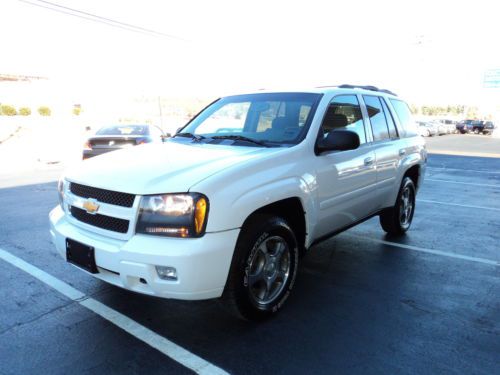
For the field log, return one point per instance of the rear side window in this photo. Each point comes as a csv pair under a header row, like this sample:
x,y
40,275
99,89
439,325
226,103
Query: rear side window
x,y
390,121
404,116
344,112
377,117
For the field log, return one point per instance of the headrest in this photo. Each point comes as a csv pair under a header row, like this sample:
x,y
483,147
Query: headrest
x,y
280,123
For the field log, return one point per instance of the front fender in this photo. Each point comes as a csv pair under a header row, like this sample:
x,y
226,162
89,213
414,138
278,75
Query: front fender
x,y
293,187
232,213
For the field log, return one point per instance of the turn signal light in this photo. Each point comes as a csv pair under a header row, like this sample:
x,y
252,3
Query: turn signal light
x,y
87,146
199,215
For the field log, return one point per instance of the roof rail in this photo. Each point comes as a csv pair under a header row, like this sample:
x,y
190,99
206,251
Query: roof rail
x,y
370,88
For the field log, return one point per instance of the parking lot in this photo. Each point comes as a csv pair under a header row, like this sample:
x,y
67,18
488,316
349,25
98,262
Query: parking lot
x,y
363,302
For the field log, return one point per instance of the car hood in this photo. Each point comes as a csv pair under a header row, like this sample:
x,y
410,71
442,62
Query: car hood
x,y
161,168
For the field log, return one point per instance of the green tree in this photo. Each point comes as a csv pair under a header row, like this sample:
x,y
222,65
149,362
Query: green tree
x,y
472,112
25,111
7,110
44,111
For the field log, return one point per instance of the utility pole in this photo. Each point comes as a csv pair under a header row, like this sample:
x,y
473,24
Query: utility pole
x,y
161,115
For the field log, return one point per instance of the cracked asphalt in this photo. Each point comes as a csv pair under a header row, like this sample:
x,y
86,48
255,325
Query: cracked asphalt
x,y
359,306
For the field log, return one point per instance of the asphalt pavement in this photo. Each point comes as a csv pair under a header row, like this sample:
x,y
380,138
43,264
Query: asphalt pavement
x,y
466,144
363,303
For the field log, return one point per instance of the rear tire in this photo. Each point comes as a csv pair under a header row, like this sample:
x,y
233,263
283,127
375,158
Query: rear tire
x,y
396,220
263,269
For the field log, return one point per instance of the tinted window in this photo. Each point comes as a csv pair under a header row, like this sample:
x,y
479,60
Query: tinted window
x,y
377,117
124,130
390,121
404,116
344,112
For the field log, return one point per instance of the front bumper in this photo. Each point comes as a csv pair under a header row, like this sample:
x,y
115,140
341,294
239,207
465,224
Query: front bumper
x,y
202,264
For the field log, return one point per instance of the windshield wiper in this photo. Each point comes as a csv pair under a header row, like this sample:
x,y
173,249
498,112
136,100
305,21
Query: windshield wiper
x,y
195,137
240,138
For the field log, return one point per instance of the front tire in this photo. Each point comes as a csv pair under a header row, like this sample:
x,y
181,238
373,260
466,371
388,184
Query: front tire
x,y
264,267
396,220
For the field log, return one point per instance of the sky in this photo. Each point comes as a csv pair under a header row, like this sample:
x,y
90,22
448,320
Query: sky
x,y
433,52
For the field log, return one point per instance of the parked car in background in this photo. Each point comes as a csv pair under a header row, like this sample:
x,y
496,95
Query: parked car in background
x,y
488,128
450,127
464,126
426,129
116,137
440,127
477,126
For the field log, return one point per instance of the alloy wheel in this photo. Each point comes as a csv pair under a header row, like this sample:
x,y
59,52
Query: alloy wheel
x,y
269,270
406,207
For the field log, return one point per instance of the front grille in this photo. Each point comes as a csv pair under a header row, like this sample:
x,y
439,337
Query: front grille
x,y
102,195
101,221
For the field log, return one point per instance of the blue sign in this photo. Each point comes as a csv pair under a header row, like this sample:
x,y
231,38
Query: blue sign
x,y
491,79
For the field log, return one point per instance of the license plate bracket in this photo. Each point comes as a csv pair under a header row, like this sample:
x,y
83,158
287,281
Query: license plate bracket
x,y
81,255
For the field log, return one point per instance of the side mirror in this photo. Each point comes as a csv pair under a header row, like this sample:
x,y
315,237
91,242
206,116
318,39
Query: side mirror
x,y
339,140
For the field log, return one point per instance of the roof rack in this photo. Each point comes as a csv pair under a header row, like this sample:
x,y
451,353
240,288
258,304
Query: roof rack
x,y
364,87
370,88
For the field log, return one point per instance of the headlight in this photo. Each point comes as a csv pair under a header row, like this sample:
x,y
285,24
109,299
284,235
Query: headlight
x,y
61,186
173,215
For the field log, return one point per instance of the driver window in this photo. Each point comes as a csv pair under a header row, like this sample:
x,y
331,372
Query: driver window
x,y
344,112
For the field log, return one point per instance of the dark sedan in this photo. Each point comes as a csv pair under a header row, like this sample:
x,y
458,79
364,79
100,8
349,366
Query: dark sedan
x,y
116,137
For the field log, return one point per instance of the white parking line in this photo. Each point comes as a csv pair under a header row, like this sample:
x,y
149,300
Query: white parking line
x,y
462,183
429,251
165,346
463,170
458,205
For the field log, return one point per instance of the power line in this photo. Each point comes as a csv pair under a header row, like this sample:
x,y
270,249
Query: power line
x,y
99,19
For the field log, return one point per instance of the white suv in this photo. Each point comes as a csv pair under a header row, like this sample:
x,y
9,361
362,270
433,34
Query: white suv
x,y
227,205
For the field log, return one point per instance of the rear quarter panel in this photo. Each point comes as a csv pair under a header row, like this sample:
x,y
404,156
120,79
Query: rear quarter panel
x,y
416,154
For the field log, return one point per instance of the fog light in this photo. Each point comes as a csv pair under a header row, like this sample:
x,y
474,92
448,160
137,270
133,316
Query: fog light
x,y
166,273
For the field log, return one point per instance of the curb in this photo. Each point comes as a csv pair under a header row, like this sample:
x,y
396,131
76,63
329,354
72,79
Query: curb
x,y
11,135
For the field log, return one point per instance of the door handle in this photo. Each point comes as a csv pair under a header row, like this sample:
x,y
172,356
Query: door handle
x,y
368,161
402,152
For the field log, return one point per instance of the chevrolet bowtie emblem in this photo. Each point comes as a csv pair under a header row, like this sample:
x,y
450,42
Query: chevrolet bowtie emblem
x,y
91,206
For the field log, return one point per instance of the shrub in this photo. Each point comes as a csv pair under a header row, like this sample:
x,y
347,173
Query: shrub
x,y
7,110
24,111
44,111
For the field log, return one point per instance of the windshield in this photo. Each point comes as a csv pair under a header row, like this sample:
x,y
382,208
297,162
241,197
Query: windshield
x,y
277,119
124,130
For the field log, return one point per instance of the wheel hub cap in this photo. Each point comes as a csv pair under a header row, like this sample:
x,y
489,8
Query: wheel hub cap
x,y
269,270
